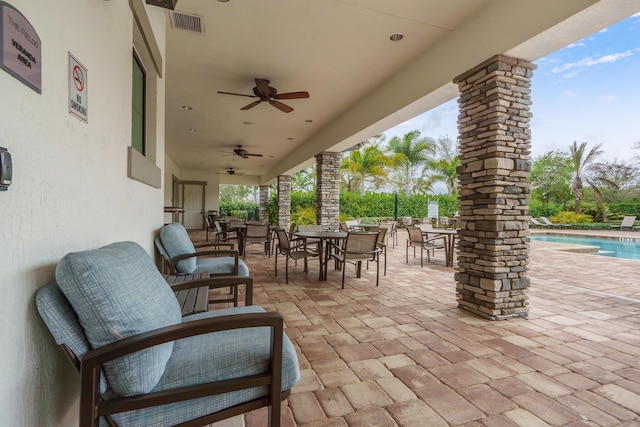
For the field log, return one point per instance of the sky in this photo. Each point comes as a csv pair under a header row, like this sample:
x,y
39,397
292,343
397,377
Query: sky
x,y
588,91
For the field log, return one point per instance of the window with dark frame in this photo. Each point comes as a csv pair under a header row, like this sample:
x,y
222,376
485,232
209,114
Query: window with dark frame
x,y
138,104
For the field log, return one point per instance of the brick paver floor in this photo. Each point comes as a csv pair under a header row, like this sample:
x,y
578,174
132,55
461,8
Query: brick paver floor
x,y
404,354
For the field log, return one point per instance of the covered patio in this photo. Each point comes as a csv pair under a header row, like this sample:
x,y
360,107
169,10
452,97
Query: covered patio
x,y
404,354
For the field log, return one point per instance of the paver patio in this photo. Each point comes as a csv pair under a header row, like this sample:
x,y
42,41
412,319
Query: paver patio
x,y
403,354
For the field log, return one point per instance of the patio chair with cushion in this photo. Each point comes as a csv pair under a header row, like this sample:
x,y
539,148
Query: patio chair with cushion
x,y
626,224
178,250
417,238
358,247
142,364
295,250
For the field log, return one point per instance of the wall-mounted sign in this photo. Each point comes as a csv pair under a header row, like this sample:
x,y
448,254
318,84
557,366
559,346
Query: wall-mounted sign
x,y
20,47
78,84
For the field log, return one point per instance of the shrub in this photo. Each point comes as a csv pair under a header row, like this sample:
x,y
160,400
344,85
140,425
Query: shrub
x,y
566,217
304,216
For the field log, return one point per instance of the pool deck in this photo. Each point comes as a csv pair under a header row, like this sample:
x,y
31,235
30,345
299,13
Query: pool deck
x,y
404,354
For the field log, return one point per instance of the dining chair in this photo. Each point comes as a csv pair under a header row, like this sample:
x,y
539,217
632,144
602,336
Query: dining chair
x,y
257,234
294,250
418,239
358,247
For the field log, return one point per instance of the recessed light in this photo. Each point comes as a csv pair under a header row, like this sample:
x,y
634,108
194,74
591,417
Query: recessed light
x,y
193,130
271,157
290,139
247,123
187,107
309,121
223,1
396,37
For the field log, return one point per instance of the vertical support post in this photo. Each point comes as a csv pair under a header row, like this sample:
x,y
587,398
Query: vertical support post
x,y
328,190
495,145
284,201
263,209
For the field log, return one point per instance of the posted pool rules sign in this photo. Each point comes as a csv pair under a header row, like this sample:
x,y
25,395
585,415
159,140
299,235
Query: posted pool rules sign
x,y
78,84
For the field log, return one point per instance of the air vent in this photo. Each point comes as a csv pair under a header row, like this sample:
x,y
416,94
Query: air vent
x,y
187,22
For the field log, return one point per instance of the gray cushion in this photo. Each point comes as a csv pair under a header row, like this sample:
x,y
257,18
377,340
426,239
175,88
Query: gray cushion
x,y
211,357
220,265
63,324
118,292
176,242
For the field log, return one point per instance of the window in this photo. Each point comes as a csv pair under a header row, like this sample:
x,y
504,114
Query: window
x,y
138,109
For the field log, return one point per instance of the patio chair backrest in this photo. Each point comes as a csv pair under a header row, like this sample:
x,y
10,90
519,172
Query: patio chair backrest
x,y
257,231
360,245
236,223
382,235
627,222
310,227
415,234
283,240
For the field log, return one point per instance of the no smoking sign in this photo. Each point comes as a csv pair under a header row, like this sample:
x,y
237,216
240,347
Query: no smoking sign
x,y
78,105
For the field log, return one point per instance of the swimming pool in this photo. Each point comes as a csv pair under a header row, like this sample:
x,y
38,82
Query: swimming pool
x,y
622,247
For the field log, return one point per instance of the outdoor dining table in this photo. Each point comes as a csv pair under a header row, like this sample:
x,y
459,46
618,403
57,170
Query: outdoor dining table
x,y
450,241
325,237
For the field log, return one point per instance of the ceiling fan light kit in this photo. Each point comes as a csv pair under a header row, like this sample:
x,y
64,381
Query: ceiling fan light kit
x,y
269,94
167,4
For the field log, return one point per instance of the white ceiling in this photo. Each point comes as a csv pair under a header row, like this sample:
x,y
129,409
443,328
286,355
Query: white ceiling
x,y
360,83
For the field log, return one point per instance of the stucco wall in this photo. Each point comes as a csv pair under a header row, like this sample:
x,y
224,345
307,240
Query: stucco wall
x,y
70,189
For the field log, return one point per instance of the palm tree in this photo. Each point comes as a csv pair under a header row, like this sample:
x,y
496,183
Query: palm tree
x,y
444,170
582,163
365,162
408,152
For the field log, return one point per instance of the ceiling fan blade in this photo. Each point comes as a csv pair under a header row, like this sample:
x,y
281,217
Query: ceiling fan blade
x,y
254,155
280,106
292,95
263,86
253,104
237,94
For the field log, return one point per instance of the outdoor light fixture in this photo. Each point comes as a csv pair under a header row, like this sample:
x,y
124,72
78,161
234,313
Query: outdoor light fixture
x,y
396,37
167,4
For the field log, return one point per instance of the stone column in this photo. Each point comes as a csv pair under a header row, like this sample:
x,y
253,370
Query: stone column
x,y
494,144
284,201
263,209
328,190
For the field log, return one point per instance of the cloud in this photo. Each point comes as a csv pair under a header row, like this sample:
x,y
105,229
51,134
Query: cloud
x,y
572,45
570,75
588,62
636,15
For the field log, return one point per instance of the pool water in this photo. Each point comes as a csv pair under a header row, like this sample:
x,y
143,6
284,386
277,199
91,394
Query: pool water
x,y
622,247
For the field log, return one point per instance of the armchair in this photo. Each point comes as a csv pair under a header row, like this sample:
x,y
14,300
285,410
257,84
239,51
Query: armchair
x,y
178,250
142,364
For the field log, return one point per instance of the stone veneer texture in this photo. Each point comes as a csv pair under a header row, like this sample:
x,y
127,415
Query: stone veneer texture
x,y
263,209
328,190
494,145
284,201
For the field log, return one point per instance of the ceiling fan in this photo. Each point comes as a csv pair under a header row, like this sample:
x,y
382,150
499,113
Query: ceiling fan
x,y
269,94
230,171
242,153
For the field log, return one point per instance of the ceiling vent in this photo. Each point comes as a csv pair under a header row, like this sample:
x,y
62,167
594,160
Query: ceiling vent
x,y
187,22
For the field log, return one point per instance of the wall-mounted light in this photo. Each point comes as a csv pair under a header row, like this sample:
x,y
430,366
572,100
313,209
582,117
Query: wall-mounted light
x,y
167,4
